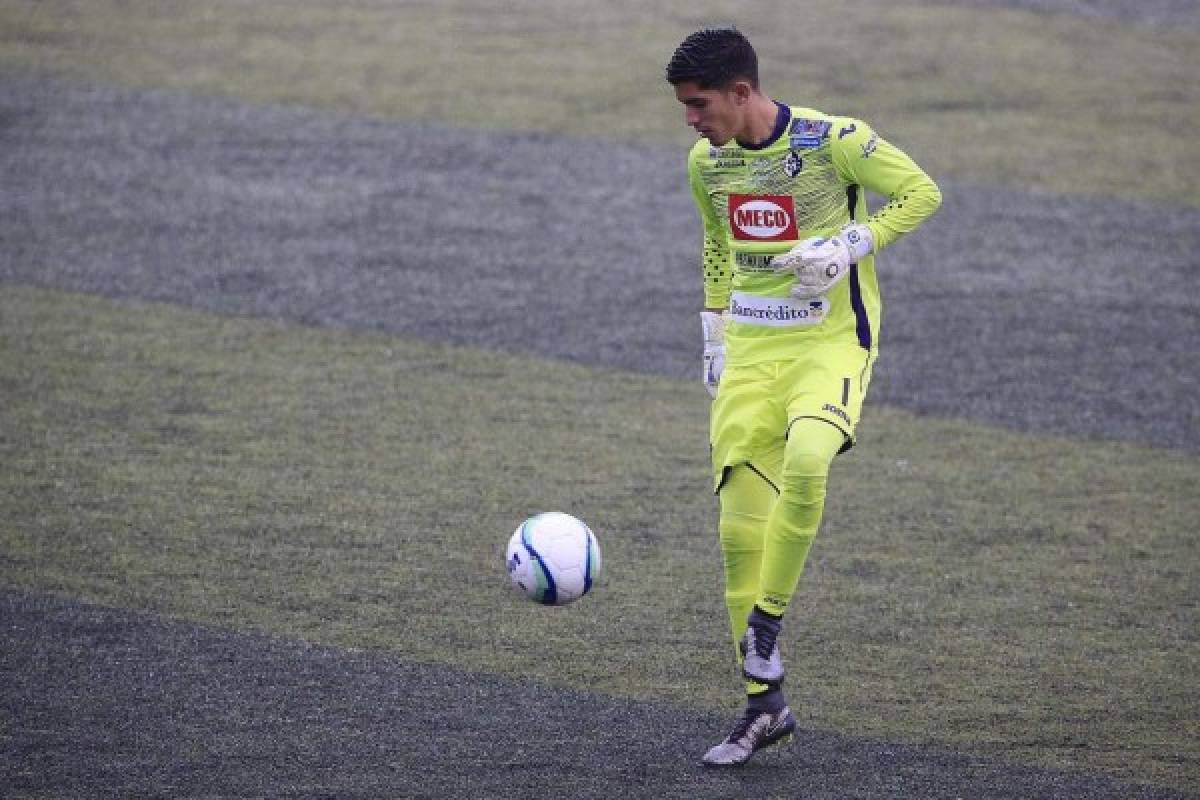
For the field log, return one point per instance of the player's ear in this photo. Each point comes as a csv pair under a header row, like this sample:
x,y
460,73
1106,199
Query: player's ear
x,y
741,92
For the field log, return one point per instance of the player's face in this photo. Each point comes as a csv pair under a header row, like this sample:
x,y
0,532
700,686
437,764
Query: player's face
x,y
717,114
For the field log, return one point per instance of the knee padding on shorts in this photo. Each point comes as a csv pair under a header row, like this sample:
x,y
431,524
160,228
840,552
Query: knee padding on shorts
x,y
811,447
802,500
746,501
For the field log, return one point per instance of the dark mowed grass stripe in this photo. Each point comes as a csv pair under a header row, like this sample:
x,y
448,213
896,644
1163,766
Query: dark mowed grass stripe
x,y
1039,312
102,702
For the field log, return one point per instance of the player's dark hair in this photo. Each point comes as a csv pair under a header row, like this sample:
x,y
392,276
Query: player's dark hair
x,y
714,58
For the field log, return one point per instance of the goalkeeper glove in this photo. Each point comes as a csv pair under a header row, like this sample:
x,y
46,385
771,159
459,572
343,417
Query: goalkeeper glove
x,y
713,325
820,264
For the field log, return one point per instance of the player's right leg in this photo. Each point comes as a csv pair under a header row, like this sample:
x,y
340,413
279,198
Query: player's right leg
x,y
746,502
762,724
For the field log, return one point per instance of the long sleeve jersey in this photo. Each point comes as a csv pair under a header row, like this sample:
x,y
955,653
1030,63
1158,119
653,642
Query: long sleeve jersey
x,y
809,179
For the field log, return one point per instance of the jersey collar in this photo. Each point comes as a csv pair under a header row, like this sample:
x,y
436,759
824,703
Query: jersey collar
x,y
782,117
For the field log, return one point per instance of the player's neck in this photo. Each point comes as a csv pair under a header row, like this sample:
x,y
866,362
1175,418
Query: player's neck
x,y
761,117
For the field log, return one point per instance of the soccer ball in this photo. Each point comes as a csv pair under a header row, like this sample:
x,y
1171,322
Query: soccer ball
x,y
553,558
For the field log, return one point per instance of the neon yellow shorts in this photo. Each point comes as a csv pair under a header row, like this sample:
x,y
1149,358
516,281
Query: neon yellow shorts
x,y
756,404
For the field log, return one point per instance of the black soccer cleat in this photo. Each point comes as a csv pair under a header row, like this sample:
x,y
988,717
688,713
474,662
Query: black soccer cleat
x,y
754,731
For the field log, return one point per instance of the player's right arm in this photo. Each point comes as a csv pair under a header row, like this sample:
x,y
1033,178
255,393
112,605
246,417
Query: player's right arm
x,y
718,276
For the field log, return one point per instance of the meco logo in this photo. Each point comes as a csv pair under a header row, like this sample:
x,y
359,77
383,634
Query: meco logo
x,y
762,218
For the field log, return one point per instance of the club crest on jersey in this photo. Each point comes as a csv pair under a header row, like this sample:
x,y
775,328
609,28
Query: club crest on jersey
x,y
808,133
762,217
793,164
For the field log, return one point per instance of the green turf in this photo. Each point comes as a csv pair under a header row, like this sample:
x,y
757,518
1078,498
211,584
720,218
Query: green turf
x,y
1028,597
984,95
1012,594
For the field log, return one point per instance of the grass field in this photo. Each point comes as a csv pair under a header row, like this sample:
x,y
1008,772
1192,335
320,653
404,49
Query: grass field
x,y
1017,595
1030,598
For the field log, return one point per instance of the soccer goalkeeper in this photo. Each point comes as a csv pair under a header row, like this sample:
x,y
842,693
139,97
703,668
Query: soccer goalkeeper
x,y
791,330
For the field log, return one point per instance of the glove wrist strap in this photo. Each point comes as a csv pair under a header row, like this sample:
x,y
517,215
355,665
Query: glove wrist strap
x,y
859,239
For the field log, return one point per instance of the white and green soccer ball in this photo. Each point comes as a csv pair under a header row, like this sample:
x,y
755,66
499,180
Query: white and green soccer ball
x,y
553,558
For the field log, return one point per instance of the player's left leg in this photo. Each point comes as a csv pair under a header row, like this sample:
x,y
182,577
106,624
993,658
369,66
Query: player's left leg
x,y
796,516
791,528
824,393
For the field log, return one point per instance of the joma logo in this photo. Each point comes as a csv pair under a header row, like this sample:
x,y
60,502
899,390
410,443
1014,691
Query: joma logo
x,y
837,412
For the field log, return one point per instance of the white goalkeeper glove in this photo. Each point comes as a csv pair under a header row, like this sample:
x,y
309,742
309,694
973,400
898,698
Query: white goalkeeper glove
x,y
713,325
820,264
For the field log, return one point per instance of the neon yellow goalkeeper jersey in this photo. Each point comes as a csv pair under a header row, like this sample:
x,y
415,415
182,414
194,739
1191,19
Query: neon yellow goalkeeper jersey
x,y
808,179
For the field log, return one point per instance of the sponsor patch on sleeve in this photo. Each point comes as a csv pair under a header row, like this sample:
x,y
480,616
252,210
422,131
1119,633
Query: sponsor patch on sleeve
x,y
808,133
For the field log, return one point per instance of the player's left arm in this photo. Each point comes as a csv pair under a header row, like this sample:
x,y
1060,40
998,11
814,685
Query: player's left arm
x,y
864,158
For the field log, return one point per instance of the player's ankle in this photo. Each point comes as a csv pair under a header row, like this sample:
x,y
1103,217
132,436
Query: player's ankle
x,y
761,618
771,701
